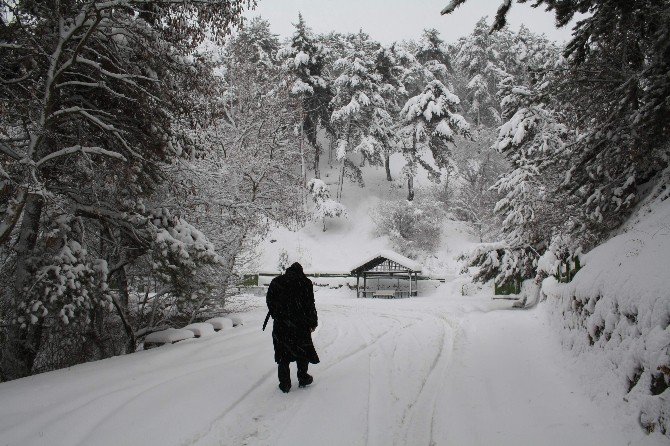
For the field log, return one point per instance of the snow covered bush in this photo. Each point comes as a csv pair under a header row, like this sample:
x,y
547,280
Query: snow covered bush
x,y
560,260
413,227
324,206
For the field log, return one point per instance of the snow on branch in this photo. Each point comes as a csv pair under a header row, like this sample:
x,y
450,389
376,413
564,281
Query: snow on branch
x,y
451,7
83,149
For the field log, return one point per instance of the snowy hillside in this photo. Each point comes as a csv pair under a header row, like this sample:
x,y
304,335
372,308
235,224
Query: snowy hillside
x,y
351,239
615,317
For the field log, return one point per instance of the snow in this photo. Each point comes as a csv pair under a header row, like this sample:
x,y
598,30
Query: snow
x,y
393,256
237,320
301,59
168,336
300,87
439,369
348,240
200,329
220,323
514,387
615,315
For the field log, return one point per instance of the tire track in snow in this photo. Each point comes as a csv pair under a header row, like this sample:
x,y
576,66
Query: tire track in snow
x,y
257,386
50,418
427,393
235,403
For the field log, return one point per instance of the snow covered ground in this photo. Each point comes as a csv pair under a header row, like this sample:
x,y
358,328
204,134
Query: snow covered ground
x,y
435,370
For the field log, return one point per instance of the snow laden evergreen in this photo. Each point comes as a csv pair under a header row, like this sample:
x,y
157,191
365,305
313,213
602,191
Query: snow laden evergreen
x,y
477,168
478,59
485,60
303,62
324,206
609,81
430,124
392,65
360,117
533,140
258,42
432,53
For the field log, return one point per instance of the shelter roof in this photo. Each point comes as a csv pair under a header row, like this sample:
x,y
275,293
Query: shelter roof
x,y
381,257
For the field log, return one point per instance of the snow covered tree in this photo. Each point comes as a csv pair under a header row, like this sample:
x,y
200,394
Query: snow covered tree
x,y
611,82
257,42
478,168
245,176
479,59
360,118
91,92
304,63
325,207
432,53
392,65
533,140
430,122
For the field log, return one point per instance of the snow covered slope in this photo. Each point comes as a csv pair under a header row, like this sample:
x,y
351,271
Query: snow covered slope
x,y
615,317
349,240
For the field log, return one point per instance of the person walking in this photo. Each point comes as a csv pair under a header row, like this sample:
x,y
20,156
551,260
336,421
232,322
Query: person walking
x,y
290,301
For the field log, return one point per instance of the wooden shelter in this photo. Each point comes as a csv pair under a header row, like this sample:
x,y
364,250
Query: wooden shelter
x,y
387,265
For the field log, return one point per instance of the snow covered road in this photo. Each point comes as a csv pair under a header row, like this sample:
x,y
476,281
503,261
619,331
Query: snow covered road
x,y
436,370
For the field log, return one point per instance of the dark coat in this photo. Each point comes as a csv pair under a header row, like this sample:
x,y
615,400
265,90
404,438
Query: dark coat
x,y
290,302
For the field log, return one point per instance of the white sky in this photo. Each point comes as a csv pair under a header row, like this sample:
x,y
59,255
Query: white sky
x,y
394,20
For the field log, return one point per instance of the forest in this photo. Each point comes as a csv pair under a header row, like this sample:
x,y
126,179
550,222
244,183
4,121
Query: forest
x,y
146,148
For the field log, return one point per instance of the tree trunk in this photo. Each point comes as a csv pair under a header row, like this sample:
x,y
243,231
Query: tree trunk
x,y
12,214
387,164
340,185
119,281
410,178
23,344
27,240
317,158
330,150
122,309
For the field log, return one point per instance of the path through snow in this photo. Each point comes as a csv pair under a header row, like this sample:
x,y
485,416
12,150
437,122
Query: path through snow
x,y
440,370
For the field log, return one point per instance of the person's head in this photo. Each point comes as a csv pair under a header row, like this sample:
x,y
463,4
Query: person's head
x,y
296,267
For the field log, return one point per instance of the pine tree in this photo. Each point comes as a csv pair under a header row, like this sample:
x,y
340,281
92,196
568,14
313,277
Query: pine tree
x,y
431,122
391,66
432,53
479,59
613,82
360,117
304,64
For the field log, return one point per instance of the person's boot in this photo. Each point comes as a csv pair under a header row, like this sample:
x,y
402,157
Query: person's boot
x,y
305,381
284,376
304,378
